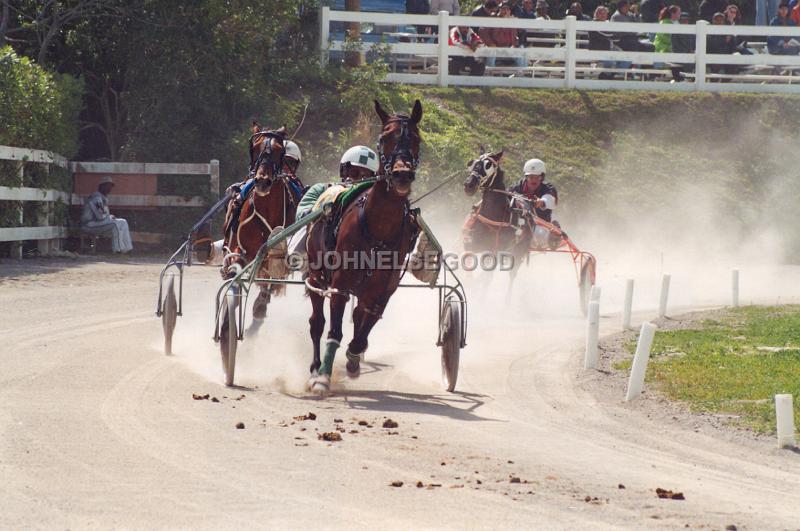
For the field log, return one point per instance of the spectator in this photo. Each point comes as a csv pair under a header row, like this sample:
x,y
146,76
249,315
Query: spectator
x,y
627,42
541,9
720,44
464,37
732,15
663,41
796,14
600,40
576,10
682,43
96,218
451,6
527,11
419,7
708,8
649,10
516,8
765,11
502,37
783,45
487,9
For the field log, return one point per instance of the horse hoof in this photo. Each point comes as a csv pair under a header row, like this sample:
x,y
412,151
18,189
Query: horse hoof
x,y
320,385
353,369
259,312
321,389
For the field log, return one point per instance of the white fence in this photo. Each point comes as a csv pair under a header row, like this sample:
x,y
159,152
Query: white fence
x,y
569,66
48,236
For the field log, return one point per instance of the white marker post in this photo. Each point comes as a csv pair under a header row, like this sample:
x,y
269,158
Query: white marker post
x,y
640,359
735,288
626,310
596,291
784,414
592,333
662,303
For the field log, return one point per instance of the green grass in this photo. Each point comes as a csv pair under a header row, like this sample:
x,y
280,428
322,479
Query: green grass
x,y
718,367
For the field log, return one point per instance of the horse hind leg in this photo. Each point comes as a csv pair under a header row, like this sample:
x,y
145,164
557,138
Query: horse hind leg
x,y
364,321
316,326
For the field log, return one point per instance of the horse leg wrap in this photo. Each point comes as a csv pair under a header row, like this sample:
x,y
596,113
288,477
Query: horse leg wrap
x,y
327,360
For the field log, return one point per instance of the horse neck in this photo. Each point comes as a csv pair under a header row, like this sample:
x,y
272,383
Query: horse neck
x,y
274,207
384,211
494,205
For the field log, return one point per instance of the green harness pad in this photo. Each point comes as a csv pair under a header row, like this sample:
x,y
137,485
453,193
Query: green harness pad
x,y
349,195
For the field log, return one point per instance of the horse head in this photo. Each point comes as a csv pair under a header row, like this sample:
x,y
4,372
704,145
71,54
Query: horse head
x,y
398,147
483,173
266,156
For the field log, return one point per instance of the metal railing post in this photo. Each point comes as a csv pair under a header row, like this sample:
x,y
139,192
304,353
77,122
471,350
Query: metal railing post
x,y
444,37
700,56
324,33
571,45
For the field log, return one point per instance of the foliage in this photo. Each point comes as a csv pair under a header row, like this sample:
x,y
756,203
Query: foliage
x,y
37,108
734,365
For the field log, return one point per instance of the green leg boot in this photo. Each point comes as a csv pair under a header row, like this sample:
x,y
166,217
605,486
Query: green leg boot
x,y
330,354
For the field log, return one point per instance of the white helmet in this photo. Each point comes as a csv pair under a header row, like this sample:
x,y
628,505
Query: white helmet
x,y
292,150
361,156
533,167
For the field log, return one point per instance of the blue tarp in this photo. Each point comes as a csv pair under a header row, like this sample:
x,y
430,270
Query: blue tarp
x,y
376,6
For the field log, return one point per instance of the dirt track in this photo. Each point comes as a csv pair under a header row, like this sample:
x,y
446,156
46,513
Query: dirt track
x,y
99,429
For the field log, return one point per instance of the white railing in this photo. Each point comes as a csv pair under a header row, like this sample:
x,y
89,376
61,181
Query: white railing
x,y
47,236
569,66
50,237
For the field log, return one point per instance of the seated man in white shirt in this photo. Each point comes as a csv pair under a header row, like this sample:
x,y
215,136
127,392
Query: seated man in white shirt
x,y
96,218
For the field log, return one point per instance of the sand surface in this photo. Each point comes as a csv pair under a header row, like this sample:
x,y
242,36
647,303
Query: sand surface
x,y
99,429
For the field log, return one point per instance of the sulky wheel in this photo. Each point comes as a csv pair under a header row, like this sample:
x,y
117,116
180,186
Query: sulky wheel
x,y
451,343
169,315
586,283
228,334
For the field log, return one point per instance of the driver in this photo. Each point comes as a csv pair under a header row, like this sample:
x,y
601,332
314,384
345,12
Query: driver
x,y
357,163
544,199
292,157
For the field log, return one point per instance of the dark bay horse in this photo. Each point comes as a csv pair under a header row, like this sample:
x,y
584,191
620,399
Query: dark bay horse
x,y
270,206
491,226
376,233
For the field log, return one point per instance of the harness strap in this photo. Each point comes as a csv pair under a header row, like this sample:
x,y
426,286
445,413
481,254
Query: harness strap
x,y
497,225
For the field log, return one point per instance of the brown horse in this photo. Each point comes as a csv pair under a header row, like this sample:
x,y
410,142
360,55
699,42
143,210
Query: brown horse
x,y
375,234
491,226
268,207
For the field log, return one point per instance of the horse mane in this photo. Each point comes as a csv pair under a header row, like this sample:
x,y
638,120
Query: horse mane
x,y
499,181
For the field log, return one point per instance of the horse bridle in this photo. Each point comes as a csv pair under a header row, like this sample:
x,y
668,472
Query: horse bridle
x,y
401,149
277,167
485,182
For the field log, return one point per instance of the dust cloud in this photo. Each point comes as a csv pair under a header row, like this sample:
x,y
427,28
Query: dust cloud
x,y
696,209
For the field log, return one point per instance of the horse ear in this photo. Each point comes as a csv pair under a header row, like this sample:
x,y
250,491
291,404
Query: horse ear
x,y
282,131
497,156
384,116
416,114
256,127
470,163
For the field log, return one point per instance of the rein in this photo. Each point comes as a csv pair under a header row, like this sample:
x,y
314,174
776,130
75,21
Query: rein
x,y
437,187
